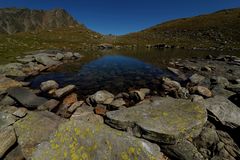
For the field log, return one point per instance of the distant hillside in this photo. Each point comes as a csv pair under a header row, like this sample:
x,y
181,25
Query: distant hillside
x,y
13,20
219,30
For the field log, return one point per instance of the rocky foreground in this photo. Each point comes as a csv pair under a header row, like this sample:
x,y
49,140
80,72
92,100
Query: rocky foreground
x,y
196,117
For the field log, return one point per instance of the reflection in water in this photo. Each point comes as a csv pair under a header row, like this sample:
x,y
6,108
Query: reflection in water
x,y
117,71
112,72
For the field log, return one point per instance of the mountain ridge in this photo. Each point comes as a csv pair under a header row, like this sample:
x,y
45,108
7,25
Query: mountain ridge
x,y
14,20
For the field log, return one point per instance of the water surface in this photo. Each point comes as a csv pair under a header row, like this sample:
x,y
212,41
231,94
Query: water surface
x,y
117,71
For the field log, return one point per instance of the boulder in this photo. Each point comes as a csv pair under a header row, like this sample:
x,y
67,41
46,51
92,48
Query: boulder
x,y
35,128
219,80
102,97
7,139
183,150
25,97
234,88
15,154
12,69
201,90
59,93
49,85
177,72
196,78
85,113
118,102
164,120
49,105
46,60
20,112
6,119
59,56
77,55
74,106
26,59
224,111
68,55
139,95
83,140
6,83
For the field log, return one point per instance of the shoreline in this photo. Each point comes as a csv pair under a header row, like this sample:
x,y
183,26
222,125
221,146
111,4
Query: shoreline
x,y
185,120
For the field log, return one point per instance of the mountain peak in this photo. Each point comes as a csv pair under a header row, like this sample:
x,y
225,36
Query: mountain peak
x,y
13,20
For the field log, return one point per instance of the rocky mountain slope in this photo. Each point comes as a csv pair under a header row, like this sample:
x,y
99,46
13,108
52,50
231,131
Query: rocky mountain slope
x,y
14,20
216,30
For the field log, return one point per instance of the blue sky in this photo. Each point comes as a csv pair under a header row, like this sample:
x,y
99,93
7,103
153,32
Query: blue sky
x,y
124,16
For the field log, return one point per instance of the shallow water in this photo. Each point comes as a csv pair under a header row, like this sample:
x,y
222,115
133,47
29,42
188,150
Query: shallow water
x,y
117,71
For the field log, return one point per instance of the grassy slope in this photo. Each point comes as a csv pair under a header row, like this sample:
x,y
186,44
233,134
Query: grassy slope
x,y
71,38
200,31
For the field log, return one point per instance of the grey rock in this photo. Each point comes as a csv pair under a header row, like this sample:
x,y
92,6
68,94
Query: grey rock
x,y
7,101
164,120
219,90
15,154
59,56
85,113
219,80
6,119
224,110
49,105
49,85
26,60
6,83
139,95
196,98
74,106
102,97
68,55
183,150
64,91
7,139
45,60
77,55
118,102
35,128
26,97
12,69
88,139
201,90
234,88
196,78
20,112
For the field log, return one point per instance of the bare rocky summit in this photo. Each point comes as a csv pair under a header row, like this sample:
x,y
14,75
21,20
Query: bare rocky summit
x,y
13,20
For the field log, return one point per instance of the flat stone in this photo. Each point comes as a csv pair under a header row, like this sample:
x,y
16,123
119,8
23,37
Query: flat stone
x,y
49,85
164,120
203,91
6,119
177,72
26,97
183,150
46,60
7,139
83,140
221,81
196,78
85,113
59,56
20,112
64,91
70,99
35,128
6,83
49,105
74,106
15,154
234,88
224,110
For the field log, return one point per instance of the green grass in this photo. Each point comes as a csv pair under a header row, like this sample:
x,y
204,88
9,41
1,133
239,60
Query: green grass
x,y
212,30
71,39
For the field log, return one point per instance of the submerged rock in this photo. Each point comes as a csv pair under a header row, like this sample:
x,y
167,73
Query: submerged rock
x,y
83,140
164,120
26,97
35,128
